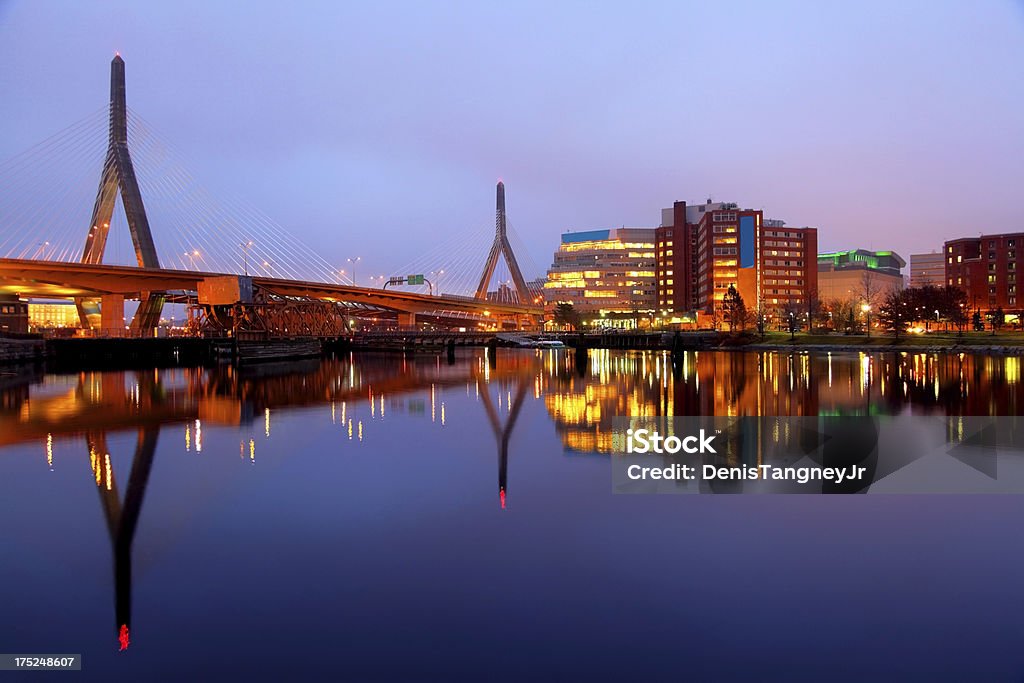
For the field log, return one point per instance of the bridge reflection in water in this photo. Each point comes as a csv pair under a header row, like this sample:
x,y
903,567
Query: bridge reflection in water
x,y
581,396
92,405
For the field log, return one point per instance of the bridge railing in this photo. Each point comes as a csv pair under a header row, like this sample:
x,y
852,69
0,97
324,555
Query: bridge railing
x,y
415,332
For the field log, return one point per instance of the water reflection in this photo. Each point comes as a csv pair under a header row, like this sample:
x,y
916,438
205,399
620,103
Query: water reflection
x,y
580,394
772,383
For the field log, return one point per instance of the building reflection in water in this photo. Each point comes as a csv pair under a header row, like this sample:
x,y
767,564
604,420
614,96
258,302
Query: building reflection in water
x,y
645,384
581,393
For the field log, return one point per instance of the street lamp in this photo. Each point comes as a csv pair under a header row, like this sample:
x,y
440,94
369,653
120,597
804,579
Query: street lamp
x,y
192,256
246,246
269,267
437,280
354,261
866,310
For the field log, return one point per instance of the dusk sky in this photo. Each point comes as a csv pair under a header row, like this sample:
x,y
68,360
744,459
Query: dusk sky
x,y
380,128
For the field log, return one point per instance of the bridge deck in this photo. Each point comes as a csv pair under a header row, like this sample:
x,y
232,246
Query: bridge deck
x,y
57,279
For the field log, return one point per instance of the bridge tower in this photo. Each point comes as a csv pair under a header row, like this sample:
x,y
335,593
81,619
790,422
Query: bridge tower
x,y
122,518
502,434
118,173
501,246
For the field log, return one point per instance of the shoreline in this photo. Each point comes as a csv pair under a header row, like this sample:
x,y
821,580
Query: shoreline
x,y
977,349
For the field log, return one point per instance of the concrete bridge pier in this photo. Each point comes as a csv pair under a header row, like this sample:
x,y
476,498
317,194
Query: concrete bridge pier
x,y
112,315
407,320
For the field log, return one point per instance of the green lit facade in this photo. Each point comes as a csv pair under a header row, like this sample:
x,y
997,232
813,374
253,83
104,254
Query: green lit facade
x,y
888,262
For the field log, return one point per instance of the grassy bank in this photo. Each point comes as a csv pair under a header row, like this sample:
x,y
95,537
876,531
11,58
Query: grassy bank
x,y
1005,342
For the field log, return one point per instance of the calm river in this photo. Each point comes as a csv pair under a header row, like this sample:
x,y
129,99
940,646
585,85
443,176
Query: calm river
x,y
375,518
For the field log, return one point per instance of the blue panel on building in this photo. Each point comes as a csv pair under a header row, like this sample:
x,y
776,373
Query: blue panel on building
x,y
586,236
746,241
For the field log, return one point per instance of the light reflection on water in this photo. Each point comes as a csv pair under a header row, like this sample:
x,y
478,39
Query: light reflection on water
x,y
433,485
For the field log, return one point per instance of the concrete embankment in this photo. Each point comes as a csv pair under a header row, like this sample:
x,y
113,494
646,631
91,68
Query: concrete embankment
x,y
993,350
15,351
84,354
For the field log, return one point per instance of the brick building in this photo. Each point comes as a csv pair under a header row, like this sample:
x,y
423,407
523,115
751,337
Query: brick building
x,y
985,268
702,250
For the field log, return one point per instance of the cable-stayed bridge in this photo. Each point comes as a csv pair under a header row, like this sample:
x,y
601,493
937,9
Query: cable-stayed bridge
x,y
237,269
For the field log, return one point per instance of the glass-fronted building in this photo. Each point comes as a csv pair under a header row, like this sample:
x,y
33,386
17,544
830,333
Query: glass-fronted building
x,y
607,275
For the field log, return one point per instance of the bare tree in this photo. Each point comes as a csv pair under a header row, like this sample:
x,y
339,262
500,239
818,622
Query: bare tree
x,y
813,307
791,318
870,291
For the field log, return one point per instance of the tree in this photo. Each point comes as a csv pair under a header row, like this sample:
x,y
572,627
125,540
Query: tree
x,y
791,319
926,303
761,321
870,289
566,315
842,313
976,321
813,307
895,312
734,309
996,319
716,318
954,307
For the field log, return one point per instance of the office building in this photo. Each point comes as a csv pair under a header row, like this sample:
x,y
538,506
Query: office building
x,y
44,315
607,275
13,314
859,275
887,262
704,249
788,271
927,270
985,268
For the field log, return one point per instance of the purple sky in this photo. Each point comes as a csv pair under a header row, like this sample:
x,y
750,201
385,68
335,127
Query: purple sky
x,y
372,128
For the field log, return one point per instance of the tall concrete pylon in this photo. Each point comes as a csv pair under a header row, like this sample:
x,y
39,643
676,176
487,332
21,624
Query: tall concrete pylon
x,y
502,246
118,173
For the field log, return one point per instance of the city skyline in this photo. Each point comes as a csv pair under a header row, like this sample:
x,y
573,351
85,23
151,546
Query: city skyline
x,y
592,118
